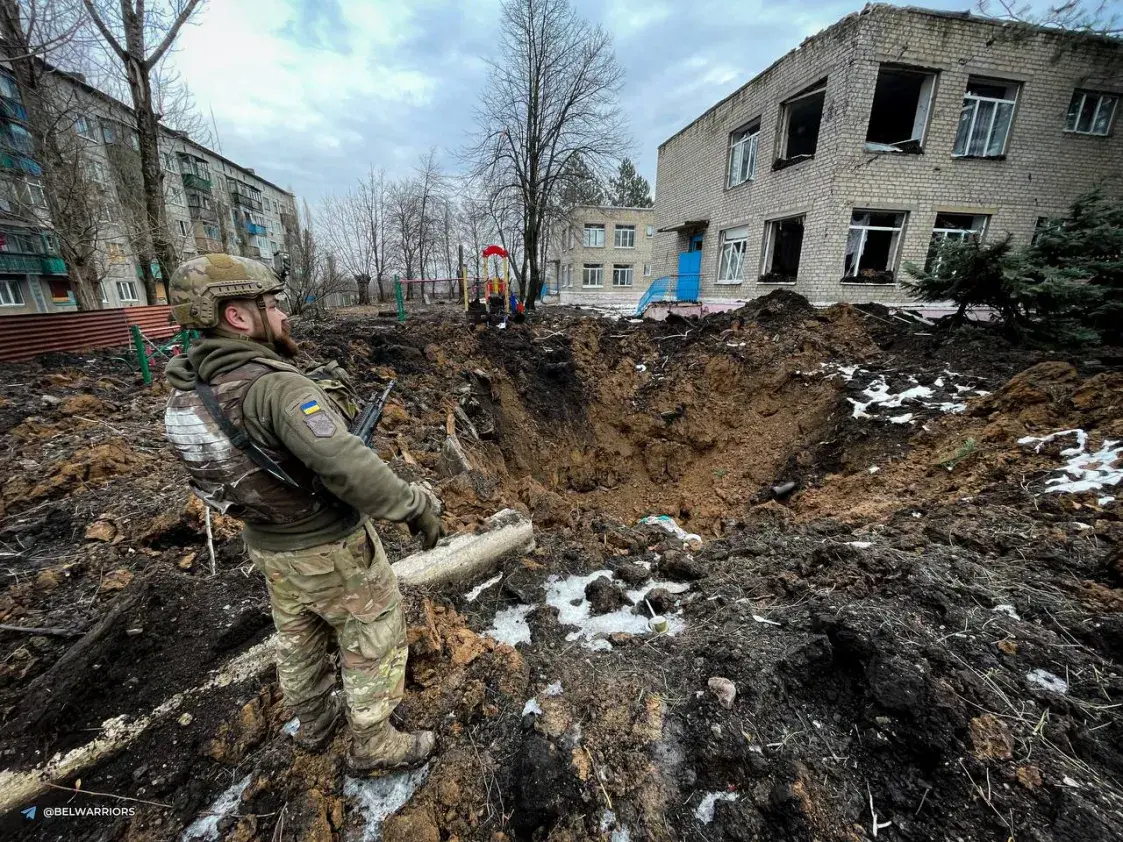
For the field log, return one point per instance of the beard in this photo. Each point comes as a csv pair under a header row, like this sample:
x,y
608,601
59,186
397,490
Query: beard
x,y
285,345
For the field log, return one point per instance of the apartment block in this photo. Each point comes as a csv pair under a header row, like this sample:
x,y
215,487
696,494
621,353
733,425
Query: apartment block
x,y
873,141
212,203
604,257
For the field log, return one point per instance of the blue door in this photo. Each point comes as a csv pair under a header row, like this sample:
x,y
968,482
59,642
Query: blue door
x,y
690,271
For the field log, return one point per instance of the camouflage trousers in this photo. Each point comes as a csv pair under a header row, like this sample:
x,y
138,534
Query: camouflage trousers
x,y
340,597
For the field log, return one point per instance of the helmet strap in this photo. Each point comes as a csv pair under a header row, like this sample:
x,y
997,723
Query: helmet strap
x,y
261,309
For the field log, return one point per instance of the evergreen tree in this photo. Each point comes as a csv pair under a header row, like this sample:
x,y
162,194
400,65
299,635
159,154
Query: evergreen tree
x,y
629,189
579,185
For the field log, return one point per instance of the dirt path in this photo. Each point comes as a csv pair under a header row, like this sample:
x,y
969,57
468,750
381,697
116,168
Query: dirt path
x,y
900,609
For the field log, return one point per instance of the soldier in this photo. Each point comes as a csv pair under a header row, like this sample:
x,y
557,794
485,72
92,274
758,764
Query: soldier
x,y
269,445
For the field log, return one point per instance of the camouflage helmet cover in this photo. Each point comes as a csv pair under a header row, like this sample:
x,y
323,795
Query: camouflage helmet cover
x,y
199,284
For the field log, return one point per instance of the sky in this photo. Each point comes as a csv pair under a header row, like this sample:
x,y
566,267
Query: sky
x,y
312,93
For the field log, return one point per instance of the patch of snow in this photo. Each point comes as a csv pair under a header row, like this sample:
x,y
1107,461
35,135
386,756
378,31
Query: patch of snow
x,y
474,594
206,826
380,798
554,689
568,597
901,419
1083,471
510,626
621,834
291,727
860,545
705,810
873,469
1103,501
668,524
1048,681
1008,610
634,596
532,706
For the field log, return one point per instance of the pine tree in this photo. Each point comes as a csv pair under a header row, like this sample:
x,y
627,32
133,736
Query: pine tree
x,y
579,185
629,189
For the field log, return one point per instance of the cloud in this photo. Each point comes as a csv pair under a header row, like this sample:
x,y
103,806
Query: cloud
x,y
312,92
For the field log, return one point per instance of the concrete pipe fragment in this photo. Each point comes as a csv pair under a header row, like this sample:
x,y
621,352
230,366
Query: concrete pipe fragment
x,y
466,556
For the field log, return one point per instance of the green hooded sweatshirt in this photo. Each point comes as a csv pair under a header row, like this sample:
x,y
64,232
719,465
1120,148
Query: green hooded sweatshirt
x,y
273,417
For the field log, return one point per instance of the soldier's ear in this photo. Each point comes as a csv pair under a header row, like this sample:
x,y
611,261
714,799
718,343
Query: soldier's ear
x,y
234,315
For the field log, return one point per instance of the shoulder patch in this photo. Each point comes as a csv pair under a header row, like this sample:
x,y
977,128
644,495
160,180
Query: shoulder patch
x,y
310,407
321,424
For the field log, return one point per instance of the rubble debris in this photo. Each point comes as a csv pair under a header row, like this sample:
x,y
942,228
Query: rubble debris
x,y
724,690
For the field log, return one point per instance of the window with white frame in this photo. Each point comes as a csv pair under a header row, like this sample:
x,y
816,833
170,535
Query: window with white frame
x,y
1091,113
624,236
108,132
731,264
170,162
742,153
650,231
84,129
184,228
35,195
783,246
11,294
902,99
126,291
622,275
175,195
954,227
984,120
594,236
647,270
97,172
802,118
592,275
871,248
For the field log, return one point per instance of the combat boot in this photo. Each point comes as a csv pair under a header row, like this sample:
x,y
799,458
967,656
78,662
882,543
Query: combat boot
x,y
386,748
318,720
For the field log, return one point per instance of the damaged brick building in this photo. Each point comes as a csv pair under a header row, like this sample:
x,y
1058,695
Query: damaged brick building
x,y
886,133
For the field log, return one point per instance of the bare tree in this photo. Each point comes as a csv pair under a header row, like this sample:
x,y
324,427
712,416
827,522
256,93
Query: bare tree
x,y
66,197
313,274
128,28
405,212
347,237
1084,17
552,96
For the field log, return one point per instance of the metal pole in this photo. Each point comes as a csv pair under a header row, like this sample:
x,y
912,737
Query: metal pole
x,y
400,299
141,355
463,275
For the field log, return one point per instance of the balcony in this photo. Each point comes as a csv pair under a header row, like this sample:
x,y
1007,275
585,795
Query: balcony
x,y
254,228
31,264
53,265
196,182
253,251
19,162
202,214
243,199
205,245
12,110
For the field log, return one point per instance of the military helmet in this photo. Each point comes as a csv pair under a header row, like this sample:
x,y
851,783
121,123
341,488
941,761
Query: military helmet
x,y
199,284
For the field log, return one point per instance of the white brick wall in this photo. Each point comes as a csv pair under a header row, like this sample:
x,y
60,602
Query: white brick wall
x,y
1043,170
572,253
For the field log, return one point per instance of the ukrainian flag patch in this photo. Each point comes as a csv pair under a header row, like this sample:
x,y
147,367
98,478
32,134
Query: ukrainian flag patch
x,y
310,407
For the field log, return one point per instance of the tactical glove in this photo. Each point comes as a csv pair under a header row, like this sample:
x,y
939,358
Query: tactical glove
x,y
428,523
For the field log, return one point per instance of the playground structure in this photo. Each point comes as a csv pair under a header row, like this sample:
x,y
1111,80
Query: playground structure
x,y
486,300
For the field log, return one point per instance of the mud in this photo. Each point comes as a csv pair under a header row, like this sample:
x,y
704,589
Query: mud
x,y
931,647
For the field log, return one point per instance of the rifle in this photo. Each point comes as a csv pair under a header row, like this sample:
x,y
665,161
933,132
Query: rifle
x,y
370,416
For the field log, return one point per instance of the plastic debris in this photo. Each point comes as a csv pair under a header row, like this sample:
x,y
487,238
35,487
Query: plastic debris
x,y
641,368
764,620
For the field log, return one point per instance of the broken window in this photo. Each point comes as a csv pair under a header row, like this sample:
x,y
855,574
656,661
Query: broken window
x,y
953,227
871,248
731,265
782,249
984,121
592,275
802,117
1090,113
742,153
900,108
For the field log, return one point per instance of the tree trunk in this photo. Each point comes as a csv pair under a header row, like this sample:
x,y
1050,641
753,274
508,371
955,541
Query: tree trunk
x,y
148,133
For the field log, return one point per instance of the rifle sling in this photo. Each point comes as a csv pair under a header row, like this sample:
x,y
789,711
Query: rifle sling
x,y
239,438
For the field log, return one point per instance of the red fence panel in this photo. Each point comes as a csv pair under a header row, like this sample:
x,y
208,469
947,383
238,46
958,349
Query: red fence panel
x,y
25,336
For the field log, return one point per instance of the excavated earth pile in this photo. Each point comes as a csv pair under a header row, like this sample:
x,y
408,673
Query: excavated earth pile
x,y
887,594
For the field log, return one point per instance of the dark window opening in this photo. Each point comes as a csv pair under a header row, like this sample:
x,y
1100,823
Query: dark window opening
x,y
803,118
785,246
871,248
899,112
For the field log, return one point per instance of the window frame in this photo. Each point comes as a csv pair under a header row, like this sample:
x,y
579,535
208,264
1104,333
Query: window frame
x,y
593,227
627,269
895,251
131,286
922,116
14,291
1075,116
184,228
771,229
617,230
88,134
932,261
820,89
647,270
723,262
649,231
747,135
586,268
977,99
